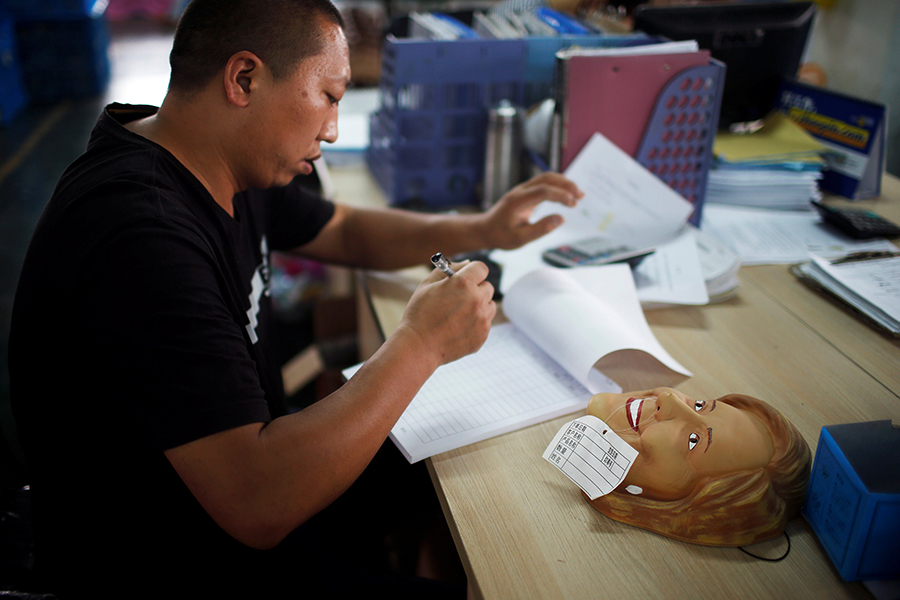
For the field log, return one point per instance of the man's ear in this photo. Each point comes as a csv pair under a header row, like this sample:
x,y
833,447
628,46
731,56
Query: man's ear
x,y
240,78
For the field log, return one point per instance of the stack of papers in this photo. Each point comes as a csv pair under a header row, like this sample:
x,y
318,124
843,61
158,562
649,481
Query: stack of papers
x,y
762,236
778,166
867,281
719,265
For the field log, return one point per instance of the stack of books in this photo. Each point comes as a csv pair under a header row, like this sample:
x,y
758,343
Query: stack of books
x,y
497,24
777,166
523,21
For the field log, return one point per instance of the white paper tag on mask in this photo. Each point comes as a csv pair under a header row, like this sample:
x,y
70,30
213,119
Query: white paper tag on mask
x,y
589,453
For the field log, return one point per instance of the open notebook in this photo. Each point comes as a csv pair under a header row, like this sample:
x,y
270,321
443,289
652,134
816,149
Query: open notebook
x,y
573,333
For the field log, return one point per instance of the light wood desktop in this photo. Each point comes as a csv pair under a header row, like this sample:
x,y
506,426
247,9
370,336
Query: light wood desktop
x,y
524,531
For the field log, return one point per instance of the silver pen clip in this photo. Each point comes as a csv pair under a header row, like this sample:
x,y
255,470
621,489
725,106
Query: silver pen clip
x,y
440,262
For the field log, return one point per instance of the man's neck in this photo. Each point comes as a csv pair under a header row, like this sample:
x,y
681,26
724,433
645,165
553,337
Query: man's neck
x,y
187,132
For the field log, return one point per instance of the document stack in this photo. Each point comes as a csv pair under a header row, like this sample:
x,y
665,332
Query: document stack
x,y
438,26
778,167
868,282
719,265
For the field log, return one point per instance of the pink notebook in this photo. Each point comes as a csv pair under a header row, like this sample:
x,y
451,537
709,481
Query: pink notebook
x,y
615,96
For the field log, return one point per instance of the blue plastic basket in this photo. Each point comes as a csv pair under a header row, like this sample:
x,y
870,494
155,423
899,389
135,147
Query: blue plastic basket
x,y
853,501
43,9
64,57
13,97
426,140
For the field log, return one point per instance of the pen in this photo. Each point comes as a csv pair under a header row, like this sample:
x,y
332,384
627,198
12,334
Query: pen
x,y
442,263
864,255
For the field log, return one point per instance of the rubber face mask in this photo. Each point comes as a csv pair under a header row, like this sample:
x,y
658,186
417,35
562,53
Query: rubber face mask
x,y
681,440
723,472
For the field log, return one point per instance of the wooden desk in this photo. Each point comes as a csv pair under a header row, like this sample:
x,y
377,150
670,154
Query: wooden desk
x,y
524,531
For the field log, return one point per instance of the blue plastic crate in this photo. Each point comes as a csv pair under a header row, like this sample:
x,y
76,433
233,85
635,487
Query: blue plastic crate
x,y
13,97
64,58
853,499
43,9
427,139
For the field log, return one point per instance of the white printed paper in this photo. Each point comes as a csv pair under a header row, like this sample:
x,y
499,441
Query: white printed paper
x,y
589,453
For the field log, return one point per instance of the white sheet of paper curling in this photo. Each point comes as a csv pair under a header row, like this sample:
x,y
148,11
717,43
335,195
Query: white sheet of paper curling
x,y
589,453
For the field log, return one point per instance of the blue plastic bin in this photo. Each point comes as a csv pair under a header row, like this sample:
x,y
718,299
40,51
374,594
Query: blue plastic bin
x,y
853,499
427,138
55,8
64,57
13,97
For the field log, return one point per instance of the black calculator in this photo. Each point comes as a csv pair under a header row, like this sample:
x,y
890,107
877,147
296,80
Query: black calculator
x,y
858,223
595,251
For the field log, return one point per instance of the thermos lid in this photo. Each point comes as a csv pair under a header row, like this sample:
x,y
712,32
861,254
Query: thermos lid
x,y
506,110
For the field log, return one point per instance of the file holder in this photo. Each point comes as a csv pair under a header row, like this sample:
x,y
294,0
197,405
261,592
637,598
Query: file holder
x,y
427,137
677,145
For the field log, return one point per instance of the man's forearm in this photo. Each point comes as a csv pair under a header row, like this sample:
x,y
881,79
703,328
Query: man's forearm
x,y
393,239
259,482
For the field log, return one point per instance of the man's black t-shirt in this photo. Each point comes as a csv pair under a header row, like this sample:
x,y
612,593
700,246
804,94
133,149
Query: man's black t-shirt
x,y
141,323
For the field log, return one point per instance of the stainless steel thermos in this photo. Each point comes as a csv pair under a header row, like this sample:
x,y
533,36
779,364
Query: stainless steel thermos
x,y
503,152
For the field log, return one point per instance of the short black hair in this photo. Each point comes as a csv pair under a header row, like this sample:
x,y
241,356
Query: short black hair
x,y
280,32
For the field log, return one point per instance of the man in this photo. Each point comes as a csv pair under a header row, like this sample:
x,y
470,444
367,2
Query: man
x,y
148,402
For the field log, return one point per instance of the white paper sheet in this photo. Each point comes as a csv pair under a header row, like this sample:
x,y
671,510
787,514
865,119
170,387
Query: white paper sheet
x,y
591,455
508,384
594,313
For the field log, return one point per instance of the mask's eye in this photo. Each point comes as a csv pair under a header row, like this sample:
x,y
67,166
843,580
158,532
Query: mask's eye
x,y
693,440
699,404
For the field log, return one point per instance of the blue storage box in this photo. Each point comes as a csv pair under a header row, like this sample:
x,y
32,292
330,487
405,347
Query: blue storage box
x,y
853,499
427,138
64,57
13,97
55,8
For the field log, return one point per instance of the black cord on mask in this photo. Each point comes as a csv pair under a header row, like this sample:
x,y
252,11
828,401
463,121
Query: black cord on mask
x,y
780,558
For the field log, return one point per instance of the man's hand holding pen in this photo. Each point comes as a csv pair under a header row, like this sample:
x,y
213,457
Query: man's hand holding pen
x,y
451,315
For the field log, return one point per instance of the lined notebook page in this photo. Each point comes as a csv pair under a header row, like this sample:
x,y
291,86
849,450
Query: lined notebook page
x,y
508,384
